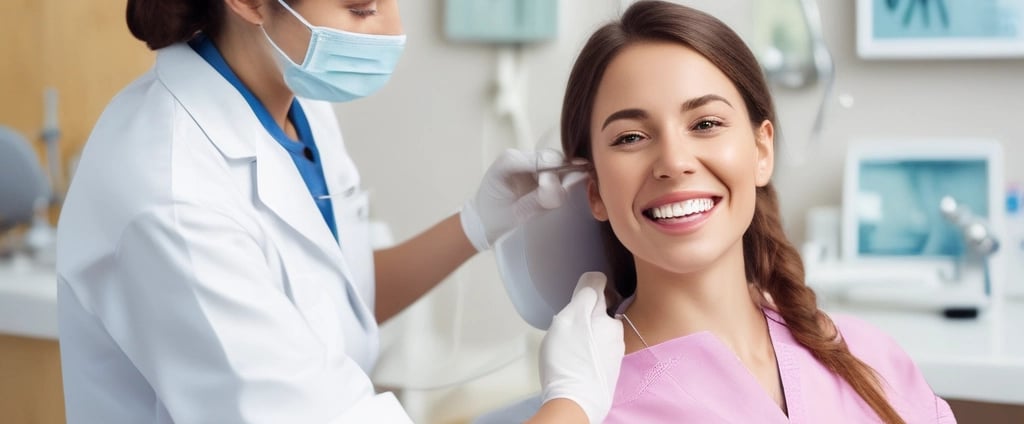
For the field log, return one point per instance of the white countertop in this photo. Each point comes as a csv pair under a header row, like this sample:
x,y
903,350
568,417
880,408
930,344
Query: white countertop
x,y
28,299
979,359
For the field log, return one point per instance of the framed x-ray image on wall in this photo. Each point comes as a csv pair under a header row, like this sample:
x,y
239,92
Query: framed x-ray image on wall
x,y
940,29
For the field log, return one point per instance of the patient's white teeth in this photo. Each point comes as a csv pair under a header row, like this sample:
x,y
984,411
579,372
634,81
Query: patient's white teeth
x,y
680,209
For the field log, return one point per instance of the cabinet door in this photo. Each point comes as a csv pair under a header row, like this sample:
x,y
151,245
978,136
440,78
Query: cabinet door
x,y
30,381
80,48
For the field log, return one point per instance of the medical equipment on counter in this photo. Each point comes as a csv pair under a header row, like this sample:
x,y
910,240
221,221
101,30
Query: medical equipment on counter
x,y
822,235
51,136
1015,240
29,194
824,65
980,244
541,261
900,248
24,191
978,237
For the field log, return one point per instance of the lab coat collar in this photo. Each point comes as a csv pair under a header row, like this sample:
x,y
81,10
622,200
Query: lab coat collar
x,y
228,121
211,101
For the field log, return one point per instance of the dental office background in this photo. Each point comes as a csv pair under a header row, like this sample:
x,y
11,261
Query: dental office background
x,y
423,142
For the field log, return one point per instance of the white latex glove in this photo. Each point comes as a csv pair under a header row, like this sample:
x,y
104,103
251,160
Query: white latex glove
x,y
512,192
582,351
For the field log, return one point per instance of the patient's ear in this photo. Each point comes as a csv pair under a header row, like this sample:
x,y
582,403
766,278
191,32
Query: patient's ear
x,y
765,139
596,203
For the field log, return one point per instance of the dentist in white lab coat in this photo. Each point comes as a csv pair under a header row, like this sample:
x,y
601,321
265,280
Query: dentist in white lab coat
x,y
213,257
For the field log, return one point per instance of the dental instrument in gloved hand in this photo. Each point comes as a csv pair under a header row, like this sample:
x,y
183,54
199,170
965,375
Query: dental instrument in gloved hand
x,y
517,186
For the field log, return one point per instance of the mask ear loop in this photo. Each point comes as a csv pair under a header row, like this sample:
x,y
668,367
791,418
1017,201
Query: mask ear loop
x,y
297,15
280,53
304,22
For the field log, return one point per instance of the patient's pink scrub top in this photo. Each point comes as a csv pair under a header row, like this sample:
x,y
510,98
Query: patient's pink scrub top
x,y
698,379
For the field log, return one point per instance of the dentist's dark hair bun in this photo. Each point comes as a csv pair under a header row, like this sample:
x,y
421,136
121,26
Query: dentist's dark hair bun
x,y
160,23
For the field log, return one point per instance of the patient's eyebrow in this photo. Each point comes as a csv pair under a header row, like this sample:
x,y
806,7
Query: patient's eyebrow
x,y
688,105
697,102
625,114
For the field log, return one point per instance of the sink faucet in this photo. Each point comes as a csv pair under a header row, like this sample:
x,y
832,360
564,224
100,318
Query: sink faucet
x,y
979,240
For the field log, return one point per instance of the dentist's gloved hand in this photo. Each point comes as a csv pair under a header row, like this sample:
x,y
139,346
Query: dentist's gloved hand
x,y
512,192
582,351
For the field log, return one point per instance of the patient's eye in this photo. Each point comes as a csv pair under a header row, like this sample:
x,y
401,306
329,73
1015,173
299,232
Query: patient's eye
x,y
628,138
705,125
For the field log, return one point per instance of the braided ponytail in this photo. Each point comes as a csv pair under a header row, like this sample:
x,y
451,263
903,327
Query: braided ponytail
x,y
774,265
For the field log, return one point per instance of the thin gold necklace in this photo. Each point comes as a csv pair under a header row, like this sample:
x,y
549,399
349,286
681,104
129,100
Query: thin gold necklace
x,y
635,331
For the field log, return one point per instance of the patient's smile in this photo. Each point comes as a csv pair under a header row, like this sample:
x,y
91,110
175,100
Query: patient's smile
x,y
685,209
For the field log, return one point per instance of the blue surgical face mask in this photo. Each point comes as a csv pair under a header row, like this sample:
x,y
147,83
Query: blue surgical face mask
x,y
339,65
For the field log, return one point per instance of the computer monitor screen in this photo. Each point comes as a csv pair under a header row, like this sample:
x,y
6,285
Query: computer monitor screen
x,y
898,205
892,191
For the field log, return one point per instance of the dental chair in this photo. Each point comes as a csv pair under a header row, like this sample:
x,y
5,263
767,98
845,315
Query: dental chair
x,y
24,188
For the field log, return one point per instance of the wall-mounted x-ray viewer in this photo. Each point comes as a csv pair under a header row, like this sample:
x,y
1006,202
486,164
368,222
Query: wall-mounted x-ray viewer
x,y
501,21
940,29
928,211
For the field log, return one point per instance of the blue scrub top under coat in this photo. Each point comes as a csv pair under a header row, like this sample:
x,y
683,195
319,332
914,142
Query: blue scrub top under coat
x,y
309,167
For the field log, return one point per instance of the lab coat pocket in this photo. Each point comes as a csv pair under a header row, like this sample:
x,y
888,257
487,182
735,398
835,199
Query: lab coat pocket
x,y
316,303
352,216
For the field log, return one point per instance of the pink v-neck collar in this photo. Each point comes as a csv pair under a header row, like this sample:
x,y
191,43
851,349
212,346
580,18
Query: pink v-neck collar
x,y
705,369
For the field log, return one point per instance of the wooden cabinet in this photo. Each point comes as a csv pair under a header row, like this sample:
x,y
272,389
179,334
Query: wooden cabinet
x,y
82,48
989,413
30,381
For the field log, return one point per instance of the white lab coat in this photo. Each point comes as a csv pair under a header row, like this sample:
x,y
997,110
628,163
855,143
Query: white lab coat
x,y
197,280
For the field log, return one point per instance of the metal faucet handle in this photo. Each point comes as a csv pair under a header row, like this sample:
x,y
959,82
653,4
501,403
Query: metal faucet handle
x,y
977,235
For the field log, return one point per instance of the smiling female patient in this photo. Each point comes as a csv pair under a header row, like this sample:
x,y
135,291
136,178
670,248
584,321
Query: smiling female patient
x,y
671,108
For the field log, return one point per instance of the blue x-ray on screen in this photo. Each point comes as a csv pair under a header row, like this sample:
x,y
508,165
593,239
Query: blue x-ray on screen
x,y
897,205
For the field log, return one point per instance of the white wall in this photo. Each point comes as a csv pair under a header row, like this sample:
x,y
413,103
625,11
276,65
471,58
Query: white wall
x,y
420,142
935,98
